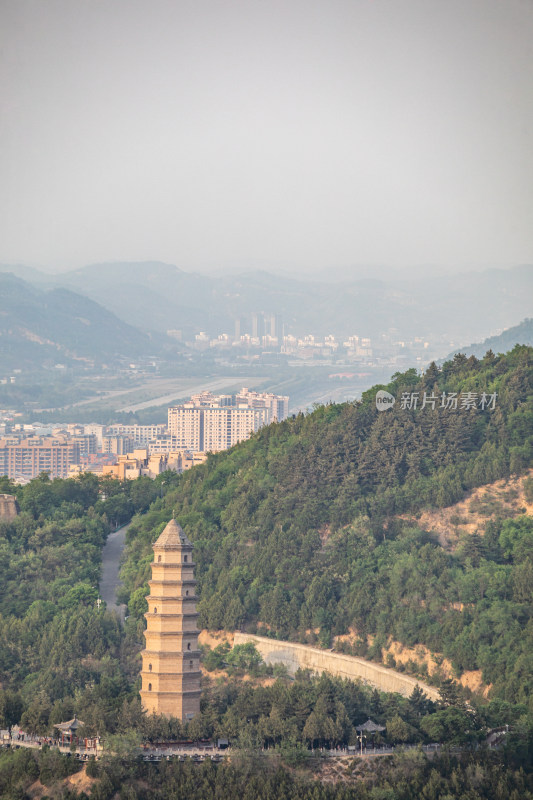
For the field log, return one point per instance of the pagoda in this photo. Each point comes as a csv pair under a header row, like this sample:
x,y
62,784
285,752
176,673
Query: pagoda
x,y
171,661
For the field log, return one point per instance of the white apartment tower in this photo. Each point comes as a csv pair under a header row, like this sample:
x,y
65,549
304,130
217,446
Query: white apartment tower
x,y
211,423
212,429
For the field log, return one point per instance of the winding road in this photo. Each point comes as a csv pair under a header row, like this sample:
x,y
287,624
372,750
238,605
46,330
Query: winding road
x,y
110,581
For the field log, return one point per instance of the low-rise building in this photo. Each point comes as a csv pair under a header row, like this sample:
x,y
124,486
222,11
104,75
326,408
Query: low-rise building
x,y
141,462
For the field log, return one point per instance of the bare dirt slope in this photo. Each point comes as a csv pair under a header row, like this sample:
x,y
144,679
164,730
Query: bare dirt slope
x,y
79,782
505,498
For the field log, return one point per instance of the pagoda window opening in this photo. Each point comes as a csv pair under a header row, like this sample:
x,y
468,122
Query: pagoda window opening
x,y
185,559
149,667
155,609
149,687
188,645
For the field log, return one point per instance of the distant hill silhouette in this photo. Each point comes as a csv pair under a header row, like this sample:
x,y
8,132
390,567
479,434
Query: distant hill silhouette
x,y
518,334
163,296
38,326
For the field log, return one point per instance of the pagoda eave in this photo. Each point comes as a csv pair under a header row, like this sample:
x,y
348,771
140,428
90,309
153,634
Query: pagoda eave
x,y
169,654
152,615
163,582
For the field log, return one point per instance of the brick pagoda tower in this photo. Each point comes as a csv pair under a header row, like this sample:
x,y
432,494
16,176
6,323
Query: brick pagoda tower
x,y
171,661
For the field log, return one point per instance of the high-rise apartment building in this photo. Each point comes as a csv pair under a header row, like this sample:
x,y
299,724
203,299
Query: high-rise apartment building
x,y
88,444
26,459
97,430
277,405
258,326
141,434
263,325
274,326
201,428
224,427
186,427
119,445
215,422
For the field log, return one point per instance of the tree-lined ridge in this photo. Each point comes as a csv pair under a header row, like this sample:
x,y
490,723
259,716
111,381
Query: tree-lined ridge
x,y
256,516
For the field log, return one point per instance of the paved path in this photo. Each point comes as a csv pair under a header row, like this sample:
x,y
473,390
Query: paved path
x,y
111,555
151,752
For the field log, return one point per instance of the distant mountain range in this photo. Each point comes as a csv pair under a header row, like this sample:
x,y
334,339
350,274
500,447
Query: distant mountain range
x,y
157,296
42,327
505,341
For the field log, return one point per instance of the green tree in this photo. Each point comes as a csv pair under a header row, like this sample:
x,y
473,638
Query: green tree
x,y
398,730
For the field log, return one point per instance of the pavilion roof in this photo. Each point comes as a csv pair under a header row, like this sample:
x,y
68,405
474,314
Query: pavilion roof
x,y
71,725
370,727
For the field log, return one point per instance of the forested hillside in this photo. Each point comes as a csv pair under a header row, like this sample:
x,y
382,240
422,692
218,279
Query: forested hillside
x,y
58,652
306,531
39,328
61,655
300,529
506,340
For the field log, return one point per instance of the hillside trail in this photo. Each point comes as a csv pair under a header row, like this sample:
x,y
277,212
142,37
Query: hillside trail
x,y
110,581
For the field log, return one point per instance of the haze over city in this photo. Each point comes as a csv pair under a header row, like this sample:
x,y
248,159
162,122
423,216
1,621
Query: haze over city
x,y
354,137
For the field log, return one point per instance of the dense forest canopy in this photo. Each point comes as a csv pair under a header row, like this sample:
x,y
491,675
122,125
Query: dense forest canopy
x,y
58,652
310,524
407,776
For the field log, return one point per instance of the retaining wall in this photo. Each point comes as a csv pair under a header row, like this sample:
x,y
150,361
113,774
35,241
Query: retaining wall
x,y
295,656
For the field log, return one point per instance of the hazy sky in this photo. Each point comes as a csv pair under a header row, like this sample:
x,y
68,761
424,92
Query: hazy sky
x,y
227,133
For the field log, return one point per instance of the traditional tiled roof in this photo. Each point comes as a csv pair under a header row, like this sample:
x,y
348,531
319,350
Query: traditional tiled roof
x,y
172,537
71,725
370,726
